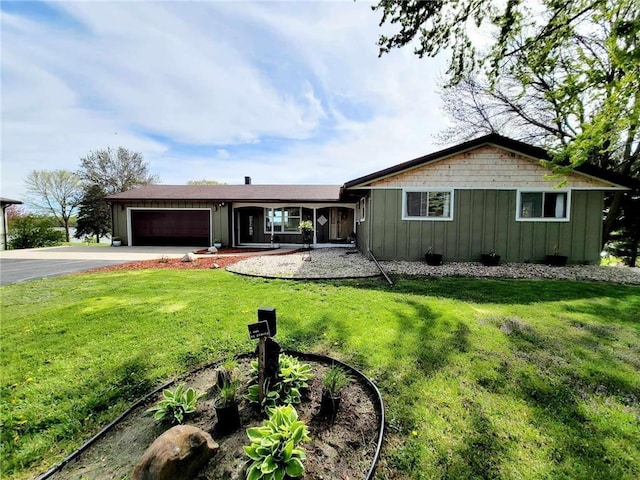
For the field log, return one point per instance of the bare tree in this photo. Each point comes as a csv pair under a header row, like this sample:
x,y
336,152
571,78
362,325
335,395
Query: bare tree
x,y
205,182
115,171
54,193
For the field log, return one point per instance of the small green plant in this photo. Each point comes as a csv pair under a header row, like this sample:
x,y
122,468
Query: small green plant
x,y
176,404
163,259
306,225
293,376
226,371
227,393
334,381
273,446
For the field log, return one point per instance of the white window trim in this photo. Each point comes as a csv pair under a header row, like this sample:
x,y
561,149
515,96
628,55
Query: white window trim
x,y
519,193
281,232
451,191
361,207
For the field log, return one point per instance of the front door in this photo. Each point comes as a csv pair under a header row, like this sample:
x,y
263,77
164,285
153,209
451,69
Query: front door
x,y
249,221
341,224
322,225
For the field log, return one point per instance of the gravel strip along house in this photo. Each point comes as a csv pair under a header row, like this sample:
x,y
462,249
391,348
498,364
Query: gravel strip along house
x,y
486,195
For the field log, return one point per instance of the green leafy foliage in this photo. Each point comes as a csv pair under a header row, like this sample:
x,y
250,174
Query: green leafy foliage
x,y
335,380
273,448
176,404
227,383
94,214
33,231
306,225
293,376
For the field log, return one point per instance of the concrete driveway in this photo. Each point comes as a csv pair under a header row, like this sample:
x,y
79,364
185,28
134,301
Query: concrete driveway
x,y
28,264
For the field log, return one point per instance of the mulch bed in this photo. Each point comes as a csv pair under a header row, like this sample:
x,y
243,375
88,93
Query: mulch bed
x,y
224,258
339,450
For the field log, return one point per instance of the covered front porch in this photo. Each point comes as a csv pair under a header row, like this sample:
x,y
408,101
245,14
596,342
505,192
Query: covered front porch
x,y
266,224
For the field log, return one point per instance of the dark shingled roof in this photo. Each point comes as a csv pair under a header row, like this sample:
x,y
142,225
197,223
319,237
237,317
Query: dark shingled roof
x,y
494,139
7,201
233,193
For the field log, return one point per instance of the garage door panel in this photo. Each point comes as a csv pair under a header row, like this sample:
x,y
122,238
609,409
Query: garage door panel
x,y
171,227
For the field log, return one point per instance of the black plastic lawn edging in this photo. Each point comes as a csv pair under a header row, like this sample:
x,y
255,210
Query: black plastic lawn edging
x,y
370,386
301,355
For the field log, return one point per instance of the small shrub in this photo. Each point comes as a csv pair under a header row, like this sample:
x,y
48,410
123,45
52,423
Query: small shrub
x,y
226,371
334,381
33,231
273,446
227,393
176,404
293,376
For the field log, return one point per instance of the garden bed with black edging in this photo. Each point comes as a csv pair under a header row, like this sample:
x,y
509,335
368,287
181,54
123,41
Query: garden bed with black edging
x,y
345,448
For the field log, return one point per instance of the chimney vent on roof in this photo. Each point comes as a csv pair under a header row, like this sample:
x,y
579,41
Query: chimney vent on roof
x,y
247,180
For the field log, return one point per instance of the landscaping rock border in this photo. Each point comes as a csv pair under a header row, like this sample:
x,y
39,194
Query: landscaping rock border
x,y
342,263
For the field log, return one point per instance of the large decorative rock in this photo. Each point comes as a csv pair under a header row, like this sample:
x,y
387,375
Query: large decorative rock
x,y
178,454
212,249
189,257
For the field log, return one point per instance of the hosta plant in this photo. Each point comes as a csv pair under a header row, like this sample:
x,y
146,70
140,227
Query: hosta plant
x,y
293,376
176,404
273,450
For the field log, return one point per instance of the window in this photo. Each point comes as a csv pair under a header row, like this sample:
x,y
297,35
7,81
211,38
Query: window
x,y
428,205
360,210
286,219
543,206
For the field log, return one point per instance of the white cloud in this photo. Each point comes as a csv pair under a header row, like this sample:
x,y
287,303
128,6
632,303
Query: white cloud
x,y
287,92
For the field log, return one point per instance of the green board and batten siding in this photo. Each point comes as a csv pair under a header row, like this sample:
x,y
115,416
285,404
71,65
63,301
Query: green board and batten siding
x,y
484,220
219,216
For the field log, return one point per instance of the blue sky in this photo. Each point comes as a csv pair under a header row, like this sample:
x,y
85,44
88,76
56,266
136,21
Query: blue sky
x,y
284,92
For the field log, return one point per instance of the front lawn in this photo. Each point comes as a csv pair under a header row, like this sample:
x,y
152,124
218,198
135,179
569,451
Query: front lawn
x,y
481,378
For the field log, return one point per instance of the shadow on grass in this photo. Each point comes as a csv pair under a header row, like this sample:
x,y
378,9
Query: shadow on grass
x,y
508,291
579,448
557,389
481,452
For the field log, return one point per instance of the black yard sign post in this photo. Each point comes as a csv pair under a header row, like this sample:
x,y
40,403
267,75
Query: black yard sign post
x,y
268,349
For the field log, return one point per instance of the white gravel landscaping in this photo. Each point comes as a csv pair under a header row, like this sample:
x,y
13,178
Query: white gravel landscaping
x,y
349,263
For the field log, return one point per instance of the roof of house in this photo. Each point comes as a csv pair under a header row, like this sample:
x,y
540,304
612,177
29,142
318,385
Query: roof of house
x,y
493,139
228,193
8,201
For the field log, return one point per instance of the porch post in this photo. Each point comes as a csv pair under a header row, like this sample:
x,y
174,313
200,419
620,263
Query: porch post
x,y
271,217
315,238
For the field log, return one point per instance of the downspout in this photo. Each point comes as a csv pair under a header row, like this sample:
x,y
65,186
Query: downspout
x,y
4,227
368,213
112,224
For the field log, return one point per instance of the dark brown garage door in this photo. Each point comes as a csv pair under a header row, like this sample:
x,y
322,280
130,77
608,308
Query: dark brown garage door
x,y
171,227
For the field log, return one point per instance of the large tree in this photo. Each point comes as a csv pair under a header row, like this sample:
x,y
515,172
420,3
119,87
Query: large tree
x,y
54,193
563,75
595,42
94,215
115,171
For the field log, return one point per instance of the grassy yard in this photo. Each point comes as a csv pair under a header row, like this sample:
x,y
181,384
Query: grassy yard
x,y
481,378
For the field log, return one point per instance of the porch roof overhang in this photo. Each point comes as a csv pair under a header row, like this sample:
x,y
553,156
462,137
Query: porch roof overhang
x,y
4,202
233,193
